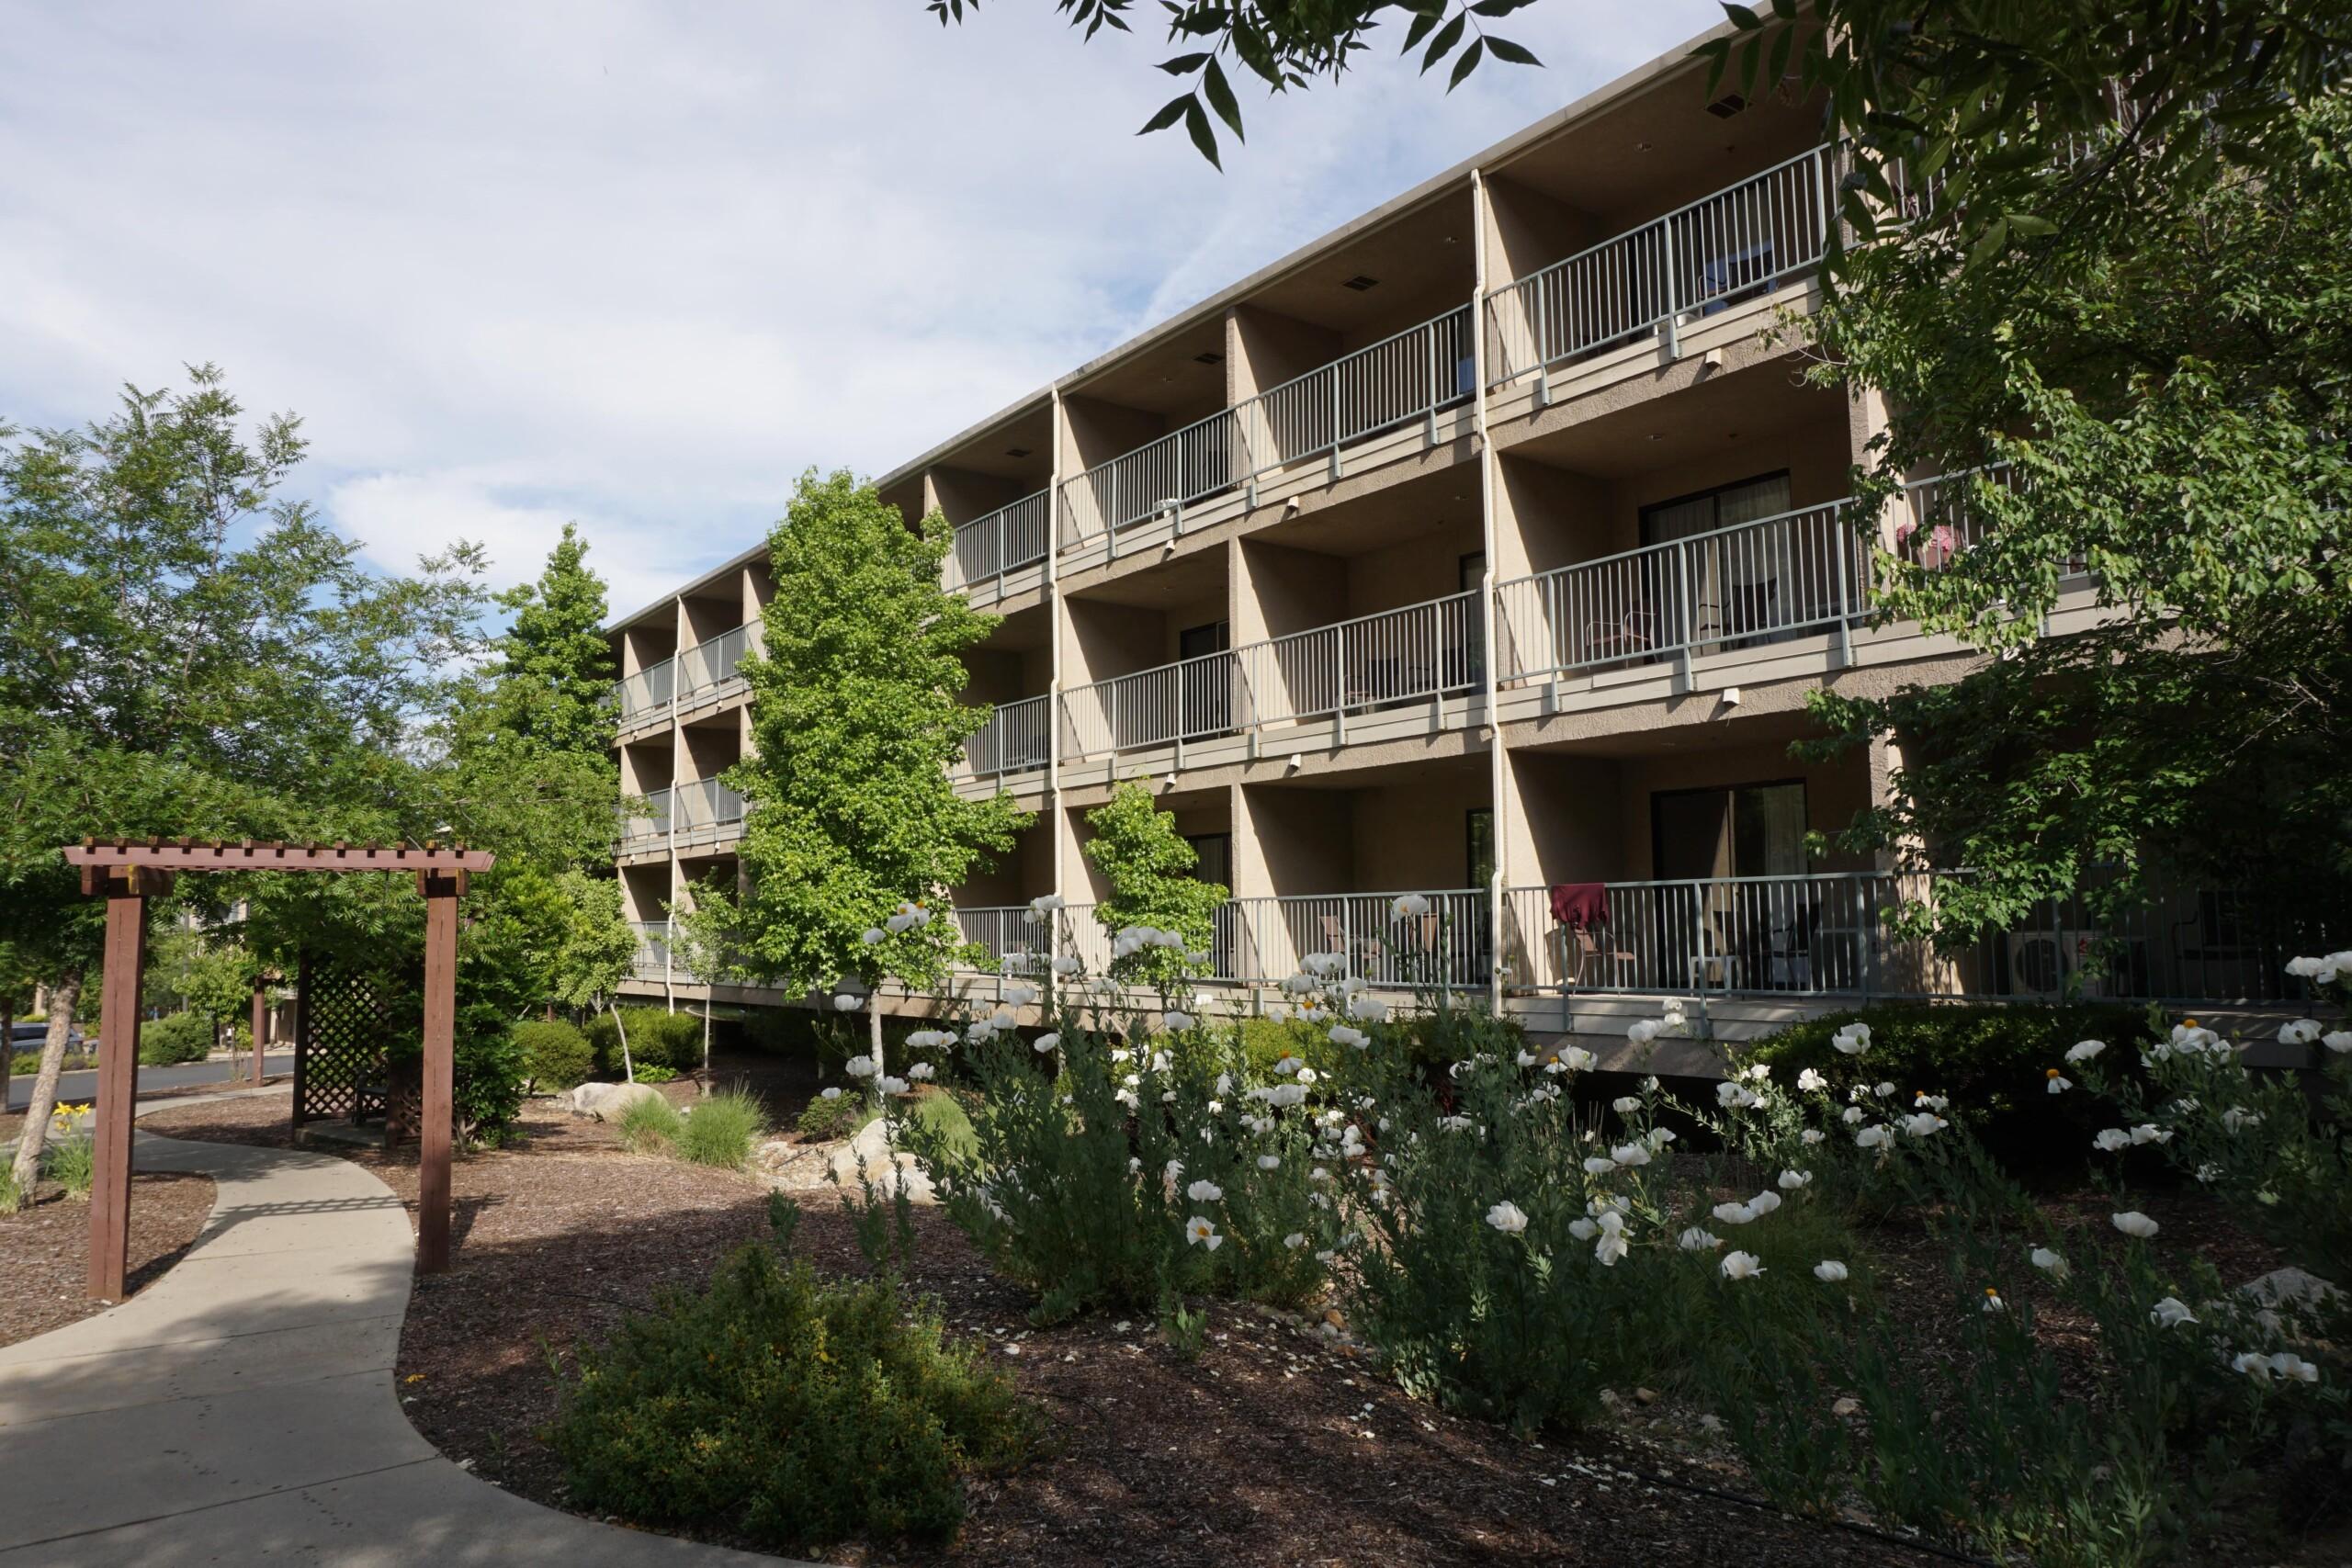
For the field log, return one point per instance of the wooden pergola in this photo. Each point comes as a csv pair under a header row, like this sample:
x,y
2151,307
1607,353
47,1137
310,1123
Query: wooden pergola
x,y
126,874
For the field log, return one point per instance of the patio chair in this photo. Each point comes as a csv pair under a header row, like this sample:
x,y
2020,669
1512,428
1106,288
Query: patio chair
x,y
1630,636
1580,955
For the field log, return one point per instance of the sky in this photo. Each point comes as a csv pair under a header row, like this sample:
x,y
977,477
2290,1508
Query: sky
x,y
639,265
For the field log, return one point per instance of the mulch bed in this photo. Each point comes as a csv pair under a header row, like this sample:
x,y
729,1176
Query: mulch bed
x,y
45,1247
1274,1446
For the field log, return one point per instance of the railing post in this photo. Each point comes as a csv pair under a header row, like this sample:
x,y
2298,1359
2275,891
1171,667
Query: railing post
x,y
1673,328
1111,708
1332,370
1845,547
1685,617
1824,172
1339,681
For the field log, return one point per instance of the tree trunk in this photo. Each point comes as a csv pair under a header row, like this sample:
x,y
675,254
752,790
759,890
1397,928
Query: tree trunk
x,y
874,1037
63,997
628,1069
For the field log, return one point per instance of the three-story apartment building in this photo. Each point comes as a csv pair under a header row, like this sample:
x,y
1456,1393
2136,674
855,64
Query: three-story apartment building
x,y
1486,549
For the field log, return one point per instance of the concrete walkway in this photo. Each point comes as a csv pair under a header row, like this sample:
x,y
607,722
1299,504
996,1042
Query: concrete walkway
x,y
242,1409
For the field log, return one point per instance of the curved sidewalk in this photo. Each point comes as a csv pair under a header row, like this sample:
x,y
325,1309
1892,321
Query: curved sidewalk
x,y
242,1408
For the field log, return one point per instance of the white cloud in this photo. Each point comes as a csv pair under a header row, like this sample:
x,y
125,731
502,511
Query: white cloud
x,y
639,265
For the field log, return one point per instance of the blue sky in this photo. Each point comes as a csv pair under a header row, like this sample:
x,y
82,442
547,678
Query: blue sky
x,y
639,265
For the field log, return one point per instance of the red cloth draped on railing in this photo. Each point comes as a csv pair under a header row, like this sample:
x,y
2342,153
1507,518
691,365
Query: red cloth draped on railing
x,y
1580,903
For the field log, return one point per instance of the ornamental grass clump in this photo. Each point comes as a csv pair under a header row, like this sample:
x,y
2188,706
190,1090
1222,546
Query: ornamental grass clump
x,y
71,1163
651,1126
796,1410
721,1129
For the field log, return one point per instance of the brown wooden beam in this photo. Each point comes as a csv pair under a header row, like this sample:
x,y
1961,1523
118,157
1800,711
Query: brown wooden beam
x,y
439,1111
126,956
183,855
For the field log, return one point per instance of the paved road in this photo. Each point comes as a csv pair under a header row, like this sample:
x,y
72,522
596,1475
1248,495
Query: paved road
x,y
83,1086
241,1409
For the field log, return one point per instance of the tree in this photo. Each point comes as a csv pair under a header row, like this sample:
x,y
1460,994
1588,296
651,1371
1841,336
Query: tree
x,y
183,653
1150,870
553,684
855,720
597,954
2118,298
1285,47
207,967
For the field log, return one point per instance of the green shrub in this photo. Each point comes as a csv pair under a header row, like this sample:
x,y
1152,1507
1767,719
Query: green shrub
x,y
794,1410
175,1038
650,1125
651,1073
823,1119
71,1163
12,1197
1992,1062
556,1056
721,1129
656,1038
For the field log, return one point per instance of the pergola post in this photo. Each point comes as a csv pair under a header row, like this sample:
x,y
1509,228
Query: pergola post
x,y
302,1038
441,892
126,891
261,1022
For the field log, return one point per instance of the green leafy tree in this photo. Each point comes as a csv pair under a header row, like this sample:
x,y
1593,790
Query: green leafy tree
x,y
597,952
207,967
184,653
855,720
2117,297
552,685
1286,47
1150,870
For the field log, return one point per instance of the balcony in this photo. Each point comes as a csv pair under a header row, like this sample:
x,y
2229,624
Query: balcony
x,y
1359,679
1312,425
653,961
1003,553
1014,741
705,673
1656,281
704,812
649,832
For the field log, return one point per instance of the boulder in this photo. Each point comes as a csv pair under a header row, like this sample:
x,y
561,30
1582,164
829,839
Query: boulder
x,y
2289,1290
870,1153
614,1103
581,1102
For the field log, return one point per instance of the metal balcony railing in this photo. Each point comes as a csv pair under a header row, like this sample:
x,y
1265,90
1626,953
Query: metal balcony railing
x,y
1354,667
653,961
1261,940
637,832
1316,416
1745,586
1005,540
1742,240
1015,740
715,663
646,691
1832,934
1003,929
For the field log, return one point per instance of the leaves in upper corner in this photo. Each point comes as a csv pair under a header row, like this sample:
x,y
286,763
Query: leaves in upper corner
x,y
1442,45
1196,123
1516,53
1169,113
1221,99
1467,63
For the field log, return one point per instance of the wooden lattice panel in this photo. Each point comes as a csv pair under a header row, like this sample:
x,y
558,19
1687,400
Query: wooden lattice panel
x,y
342,1044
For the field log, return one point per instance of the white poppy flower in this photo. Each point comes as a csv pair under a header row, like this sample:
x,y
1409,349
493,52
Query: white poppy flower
x,y
874,936
1876,1136
844,1003
2149,1132
1343,1035
1697,1240
1624,1105
1200,1233
2299,1031
1596,1165
1296,1240
1924,1124
1367,1010
1742,1266
1583,1230
2338,1041
2171,1313
1993,1301
1577,1059
1175,1021
1852,1040
1764,1203
1609,1248
1852,1115
2110,1139
1631,1154
889,1084
1204,1191
1409,905
1642,1031
2049,1262
1883,1091
919,1072
1793,1180
2133,1222
1506,1217
2059,1082
2083,1050
1044,1044
2237,1118
860,1066
1811,1081
1734,1214
1269,1162
2288,1365
1830,1271
832,1093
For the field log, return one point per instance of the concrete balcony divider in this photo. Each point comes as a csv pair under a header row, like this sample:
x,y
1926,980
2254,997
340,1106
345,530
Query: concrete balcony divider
x,y
1741,241
989,549
1314,417
1012,741
1417,653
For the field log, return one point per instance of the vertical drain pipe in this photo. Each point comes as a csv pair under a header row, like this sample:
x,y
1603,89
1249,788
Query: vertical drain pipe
x,y
1497,775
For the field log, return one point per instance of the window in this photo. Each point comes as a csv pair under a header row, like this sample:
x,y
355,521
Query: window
x,y
1741,830
1730,582
1478,845
1214,862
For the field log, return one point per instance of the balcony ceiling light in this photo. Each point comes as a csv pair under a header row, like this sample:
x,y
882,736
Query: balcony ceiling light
x,y
1016,451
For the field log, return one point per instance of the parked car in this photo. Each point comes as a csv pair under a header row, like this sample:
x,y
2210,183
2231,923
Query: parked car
x,y
33,1036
